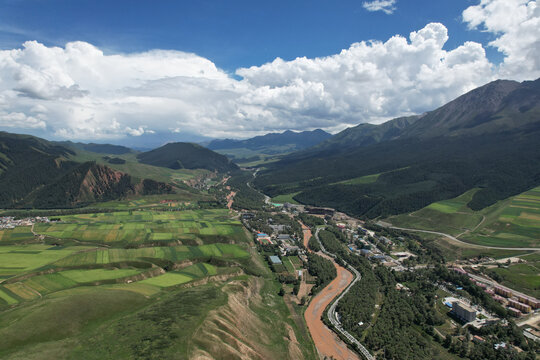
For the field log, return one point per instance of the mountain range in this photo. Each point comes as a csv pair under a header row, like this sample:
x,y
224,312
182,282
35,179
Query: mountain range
x,y
487,138
36,173
269,144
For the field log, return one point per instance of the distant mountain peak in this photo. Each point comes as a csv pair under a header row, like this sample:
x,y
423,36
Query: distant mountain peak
x,y
274,143
181,155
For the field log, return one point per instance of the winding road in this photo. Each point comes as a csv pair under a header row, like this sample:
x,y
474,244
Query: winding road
x,y
387,225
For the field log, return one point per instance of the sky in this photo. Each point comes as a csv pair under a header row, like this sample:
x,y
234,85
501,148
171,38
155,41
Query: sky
x,y
142,72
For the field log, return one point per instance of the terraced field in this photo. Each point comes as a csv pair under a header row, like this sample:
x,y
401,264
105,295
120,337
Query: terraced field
x,y
31,267
138,227
172,254
514,222
142,284
15,260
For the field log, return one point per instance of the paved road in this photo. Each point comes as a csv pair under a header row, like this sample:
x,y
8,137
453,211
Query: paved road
x,y
332,310
457,240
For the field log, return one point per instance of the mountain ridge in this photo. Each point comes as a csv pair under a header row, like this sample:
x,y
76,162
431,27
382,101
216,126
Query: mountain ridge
x,y
182,155
438,155
273,143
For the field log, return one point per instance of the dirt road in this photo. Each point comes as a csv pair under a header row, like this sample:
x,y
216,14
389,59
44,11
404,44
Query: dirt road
x,y
230,199
327,342
307,234
454,239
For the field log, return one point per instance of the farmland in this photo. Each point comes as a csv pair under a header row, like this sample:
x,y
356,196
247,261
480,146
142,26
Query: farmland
x,y
139,281
146,226
522,277
508,223
19,234
99,249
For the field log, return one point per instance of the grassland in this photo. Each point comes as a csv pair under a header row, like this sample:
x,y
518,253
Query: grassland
x,y
522,277
153,318
367,179
286,198
514,222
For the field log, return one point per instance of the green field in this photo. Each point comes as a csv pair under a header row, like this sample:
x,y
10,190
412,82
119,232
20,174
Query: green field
x,y
144,226
15,260
21,266
368,179
173,254
17,235
287,198
514,222
144,283
523,277
287,262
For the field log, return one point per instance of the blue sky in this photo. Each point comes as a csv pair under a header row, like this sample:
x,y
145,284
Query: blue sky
x,y
233,33
146,72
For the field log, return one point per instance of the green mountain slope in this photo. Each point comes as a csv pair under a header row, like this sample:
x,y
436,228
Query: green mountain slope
x,y
187,156
38,173
434,157
88,183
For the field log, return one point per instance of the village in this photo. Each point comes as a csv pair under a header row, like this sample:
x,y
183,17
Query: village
x,y
10,222
281,244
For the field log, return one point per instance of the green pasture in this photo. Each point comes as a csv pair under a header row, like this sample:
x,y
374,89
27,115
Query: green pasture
x,y
367,179
514,222
286,198
288,264
168,279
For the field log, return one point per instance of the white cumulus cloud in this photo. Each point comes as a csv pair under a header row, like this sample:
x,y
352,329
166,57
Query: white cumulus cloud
x,y
516,24
369,80
79,92
386,6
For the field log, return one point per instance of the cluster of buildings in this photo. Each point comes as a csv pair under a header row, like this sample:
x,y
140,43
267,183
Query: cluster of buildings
x,y
9,222
516,303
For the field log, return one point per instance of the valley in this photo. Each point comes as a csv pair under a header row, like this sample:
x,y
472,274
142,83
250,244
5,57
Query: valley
x,y
352,246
